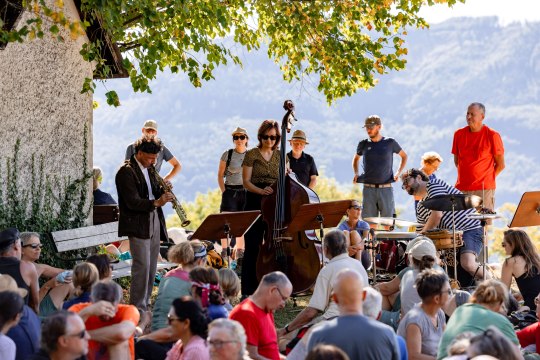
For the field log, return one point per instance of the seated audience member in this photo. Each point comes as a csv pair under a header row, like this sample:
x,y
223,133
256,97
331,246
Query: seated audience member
x,y
424,324
103,265
423,256
11,307
482,311
378,341
25,334
256,314
326,352
189,324
85,275
64,336
457,350
227,340
176,283
230,286
111,325
335,249
531,334
493,342
205,289
100,197
58,285
355,223
523,265
23,272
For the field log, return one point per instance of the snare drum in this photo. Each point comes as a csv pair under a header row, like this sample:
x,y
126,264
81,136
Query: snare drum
x,y
444,239
392,245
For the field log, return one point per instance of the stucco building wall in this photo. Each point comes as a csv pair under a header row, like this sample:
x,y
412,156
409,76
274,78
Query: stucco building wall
x,y
41,104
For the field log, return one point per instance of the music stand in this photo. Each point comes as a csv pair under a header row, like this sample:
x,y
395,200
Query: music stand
x,y
226,225
528,210
318,216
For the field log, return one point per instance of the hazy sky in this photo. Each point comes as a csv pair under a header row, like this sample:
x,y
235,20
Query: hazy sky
x,y
507,10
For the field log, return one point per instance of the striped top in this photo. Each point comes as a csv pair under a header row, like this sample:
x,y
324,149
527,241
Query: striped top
x,y
438,187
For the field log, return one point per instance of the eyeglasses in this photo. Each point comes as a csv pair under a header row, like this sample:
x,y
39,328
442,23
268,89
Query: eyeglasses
x,y
33,246
220,343
448,291
241,137
355,207
170,319
271,137
80,335
284,298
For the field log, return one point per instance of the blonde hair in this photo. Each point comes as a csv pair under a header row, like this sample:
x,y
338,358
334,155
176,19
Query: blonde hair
x,y
490,292
430,157
229,282
85,275
97,176
181,254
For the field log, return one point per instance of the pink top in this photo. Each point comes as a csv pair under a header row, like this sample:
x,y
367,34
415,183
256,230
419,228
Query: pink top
x,y
178,273
195,349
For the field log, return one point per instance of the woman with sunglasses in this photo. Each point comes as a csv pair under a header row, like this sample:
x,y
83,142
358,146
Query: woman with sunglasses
x,y
260,170
424,324
188,323
523,264
59,281
233,194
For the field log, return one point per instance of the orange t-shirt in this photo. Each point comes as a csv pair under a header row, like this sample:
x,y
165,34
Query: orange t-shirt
x,y
96,350
476,153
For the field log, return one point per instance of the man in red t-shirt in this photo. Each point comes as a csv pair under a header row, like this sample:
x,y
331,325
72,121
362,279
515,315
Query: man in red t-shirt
x,y
478,155
256,314
111,325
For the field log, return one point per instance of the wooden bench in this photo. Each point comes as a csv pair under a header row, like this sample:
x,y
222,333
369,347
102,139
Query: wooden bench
x,y
89,236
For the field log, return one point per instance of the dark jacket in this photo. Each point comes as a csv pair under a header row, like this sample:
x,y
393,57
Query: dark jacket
x,y
134,203
43,355
26,334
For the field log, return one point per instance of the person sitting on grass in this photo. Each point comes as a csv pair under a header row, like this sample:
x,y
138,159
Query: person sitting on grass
x,y
85,275
230,286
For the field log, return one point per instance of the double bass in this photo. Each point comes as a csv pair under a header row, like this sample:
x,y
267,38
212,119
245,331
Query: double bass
x,y
293,254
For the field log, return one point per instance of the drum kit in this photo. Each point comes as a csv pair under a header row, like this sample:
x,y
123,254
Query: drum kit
x,y
388,247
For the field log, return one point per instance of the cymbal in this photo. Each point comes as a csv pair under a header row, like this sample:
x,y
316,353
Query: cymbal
x,y
445,202
390,221
484,216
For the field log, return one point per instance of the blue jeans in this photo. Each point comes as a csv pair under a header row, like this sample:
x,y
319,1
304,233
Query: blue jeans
x,y
378,202
472,241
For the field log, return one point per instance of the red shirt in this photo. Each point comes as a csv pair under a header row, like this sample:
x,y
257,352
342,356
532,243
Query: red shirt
x,y
529,335
476,153
97,350
259,326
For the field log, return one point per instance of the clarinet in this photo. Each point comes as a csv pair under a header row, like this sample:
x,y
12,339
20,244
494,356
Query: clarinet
x,y
175,203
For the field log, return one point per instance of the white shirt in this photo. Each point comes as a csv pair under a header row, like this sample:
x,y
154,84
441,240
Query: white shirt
x,y
147,178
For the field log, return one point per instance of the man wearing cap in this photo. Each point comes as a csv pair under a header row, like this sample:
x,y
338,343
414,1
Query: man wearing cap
x,y
478,156
23,272
140,199
150,130
415,182
302,164
378,174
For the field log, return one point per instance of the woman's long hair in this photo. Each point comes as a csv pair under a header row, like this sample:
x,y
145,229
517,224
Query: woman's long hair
x,y
524,247
187,308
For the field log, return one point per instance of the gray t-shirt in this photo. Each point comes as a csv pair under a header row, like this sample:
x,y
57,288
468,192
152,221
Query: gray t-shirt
x,y
358,336
164,154
407,291
431,335
233,174
7,348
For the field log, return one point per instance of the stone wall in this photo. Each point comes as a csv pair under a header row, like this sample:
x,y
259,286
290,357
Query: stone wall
x,y
41,104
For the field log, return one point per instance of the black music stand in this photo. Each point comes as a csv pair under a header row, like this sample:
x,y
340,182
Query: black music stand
x,y
318,216
528,210
226,225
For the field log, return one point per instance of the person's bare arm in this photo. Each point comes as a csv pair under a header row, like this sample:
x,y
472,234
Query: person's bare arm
x,y
456,160
414,343
402,164
433,221
100,308
312,182
175,170
114,334
390,287
30,277
506,272
499,164
47,271
304,317
247,171
220,174
355,160
253,352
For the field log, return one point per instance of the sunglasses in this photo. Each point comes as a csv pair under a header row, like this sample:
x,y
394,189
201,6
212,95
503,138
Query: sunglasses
x,y
241,137
80,335
33,246
271,137
355,207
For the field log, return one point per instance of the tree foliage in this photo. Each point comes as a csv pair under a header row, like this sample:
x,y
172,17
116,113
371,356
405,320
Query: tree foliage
x,y
338,46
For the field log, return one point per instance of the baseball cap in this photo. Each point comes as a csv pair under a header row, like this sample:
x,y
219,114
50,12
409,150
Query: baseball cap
x,y
150,124
422,248
7,283
372,120
8,237
299,135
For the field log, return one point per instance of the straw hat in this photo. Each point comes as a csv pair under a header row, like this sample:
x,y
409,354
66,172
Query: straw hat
x,y
299,135
7,283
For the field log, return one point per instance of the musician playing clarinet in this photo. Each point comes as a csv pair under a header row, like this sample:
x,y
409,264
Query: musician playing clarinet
x,y
416,182
140,199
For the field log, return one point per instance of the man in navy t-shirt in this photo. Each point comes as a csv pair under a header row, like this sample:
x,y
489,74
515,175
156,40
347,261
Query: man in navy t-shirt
x,y
377,154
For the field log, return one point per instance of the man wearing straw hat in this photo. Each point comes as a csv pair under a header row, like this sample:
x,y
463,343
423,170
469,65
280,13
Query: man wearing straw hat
x,y
302,164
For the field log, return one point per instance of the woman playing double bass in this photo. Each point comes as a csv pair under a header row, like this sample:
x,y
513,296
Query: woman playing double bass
x,y
260,170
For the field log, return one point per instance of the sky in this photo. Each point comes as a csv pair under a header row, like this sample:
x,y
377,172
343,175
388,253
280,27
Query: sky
x,y
508,11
